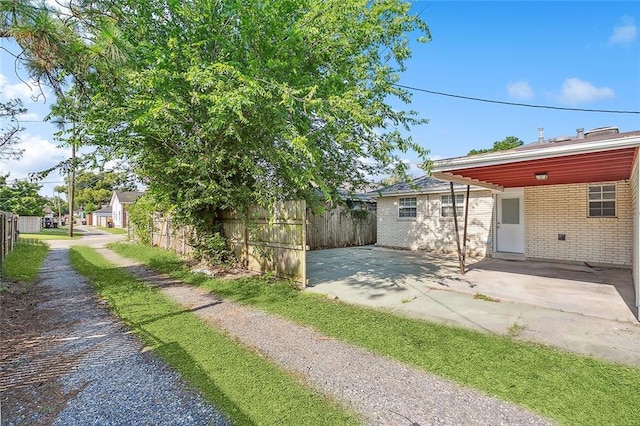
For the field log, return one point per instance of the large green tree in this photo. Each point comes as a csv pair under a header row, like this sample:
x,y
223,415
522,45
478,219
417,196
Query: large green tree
x,y
21,197
509,142
232,103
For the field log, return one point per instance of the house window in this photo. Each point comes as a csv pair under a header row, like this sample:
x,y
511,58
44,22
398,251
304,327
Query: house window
x,y
602,200
446,205
407,207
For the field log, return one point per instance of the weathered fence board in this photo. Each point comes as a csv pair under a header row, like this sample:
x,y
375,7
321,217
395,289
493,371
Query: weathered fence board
x,y
8,233
341,227
167,236
270,239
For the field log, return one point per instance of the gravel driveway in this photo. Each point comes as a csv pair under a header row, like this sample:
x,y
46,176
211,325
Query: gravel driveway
x,y
383,391
101,374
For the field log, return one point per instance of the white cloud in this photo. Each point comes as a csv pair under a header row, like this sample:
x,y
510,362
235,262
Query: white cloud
x,y
520,90
624,33
575,91
29,116
413,168
39,154
28,92
62,6
10,91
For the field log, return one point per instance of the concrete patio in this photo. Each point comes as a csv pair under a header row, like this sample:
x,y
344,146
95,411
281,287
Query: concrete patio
x,y
574,307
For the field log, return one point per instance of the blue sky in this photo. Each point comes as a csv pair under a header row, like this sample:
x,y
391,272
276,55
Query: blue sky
x,y
560,53
580,54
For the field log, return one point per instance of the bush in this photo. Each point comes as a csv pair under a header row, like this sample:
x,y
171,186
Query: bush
x,y
212,248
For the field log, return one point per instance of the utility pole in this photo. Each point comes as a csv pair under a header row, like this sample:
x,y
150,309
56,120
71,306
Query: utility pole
x,y
72,180
59,211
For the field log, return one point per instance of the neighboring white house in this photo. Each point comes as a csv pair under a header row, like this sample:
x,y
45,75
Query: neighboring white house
x,y
119,203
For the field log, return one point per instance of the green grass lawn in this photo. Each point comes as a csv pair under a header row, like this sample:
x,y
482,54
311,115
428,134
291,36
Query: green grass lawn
x,y
239,381
116,231
23,263
52,234
568,388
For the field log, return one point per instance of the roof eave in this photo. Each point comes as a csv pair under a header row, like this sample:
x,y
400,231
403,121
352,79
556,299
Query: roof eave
x,y
440,167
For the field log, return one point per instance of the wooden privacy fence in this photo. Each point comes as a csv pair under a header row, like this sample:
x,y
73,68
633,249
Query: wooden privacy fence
x,y
270,239
341,227
276,239
263,239
8,233
165,235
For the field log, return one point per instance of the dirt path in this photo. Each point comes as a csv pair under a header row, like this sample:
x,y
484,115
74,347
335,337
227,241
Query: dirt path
x,y
383,391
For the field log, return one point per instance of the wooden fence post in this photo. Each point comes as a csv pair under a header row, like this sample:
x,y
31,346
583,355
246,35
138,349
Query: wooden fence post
x,y
3,234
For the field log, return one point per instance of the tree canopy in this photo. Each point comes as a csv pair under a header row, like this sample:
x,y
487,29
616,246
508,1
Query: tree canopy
x,y
21,197
233,103
507,143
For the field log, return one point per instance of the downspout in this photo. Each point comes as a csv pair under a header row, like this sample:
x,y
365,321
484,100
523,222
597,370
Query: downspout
x,y
457,235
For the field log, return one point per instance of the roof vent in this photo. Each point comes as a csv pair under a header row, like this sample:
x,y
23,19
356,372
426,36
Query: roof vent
x,y
540,134
580,132
600,131
560,139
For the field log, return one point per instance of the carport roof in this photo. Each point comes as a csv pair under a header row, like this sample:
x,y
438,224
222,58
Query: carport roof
x,y
593,159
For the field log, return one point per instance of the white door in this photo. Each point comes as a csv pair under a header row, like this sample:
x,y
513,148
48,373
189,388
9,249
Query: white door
x,y
510,222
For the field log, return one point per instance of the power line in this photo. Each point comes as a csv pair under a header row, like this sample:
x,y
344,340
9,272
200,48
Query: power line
x,y
470,98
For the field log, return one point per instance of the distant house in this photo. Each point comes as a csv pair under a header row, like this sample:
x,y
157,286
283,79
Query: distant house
x,y
102,217
419,216
120,202
570,199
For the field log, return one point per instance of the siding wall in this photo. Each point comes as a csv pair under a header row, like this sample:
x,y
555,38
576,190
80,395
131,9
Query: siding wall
x,y
562,209
429,231
29,224
116,212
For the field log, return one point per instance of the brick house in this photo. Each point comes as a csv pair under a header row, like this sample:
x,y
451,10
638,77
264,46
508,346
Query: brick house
x,y
564,199
420,216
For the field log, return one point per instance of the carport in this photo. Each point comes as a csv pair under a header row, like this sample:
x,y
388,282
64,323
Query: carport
x,y
574,200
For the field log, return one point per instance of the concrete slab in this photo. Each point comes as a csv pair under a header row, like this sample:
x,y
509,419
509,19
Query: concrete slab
x,y
573,307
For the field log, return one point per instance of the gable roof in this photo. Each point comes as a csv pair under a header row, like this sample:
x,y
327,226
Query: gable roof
x,y
420,185
127,197
106,209
595,157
